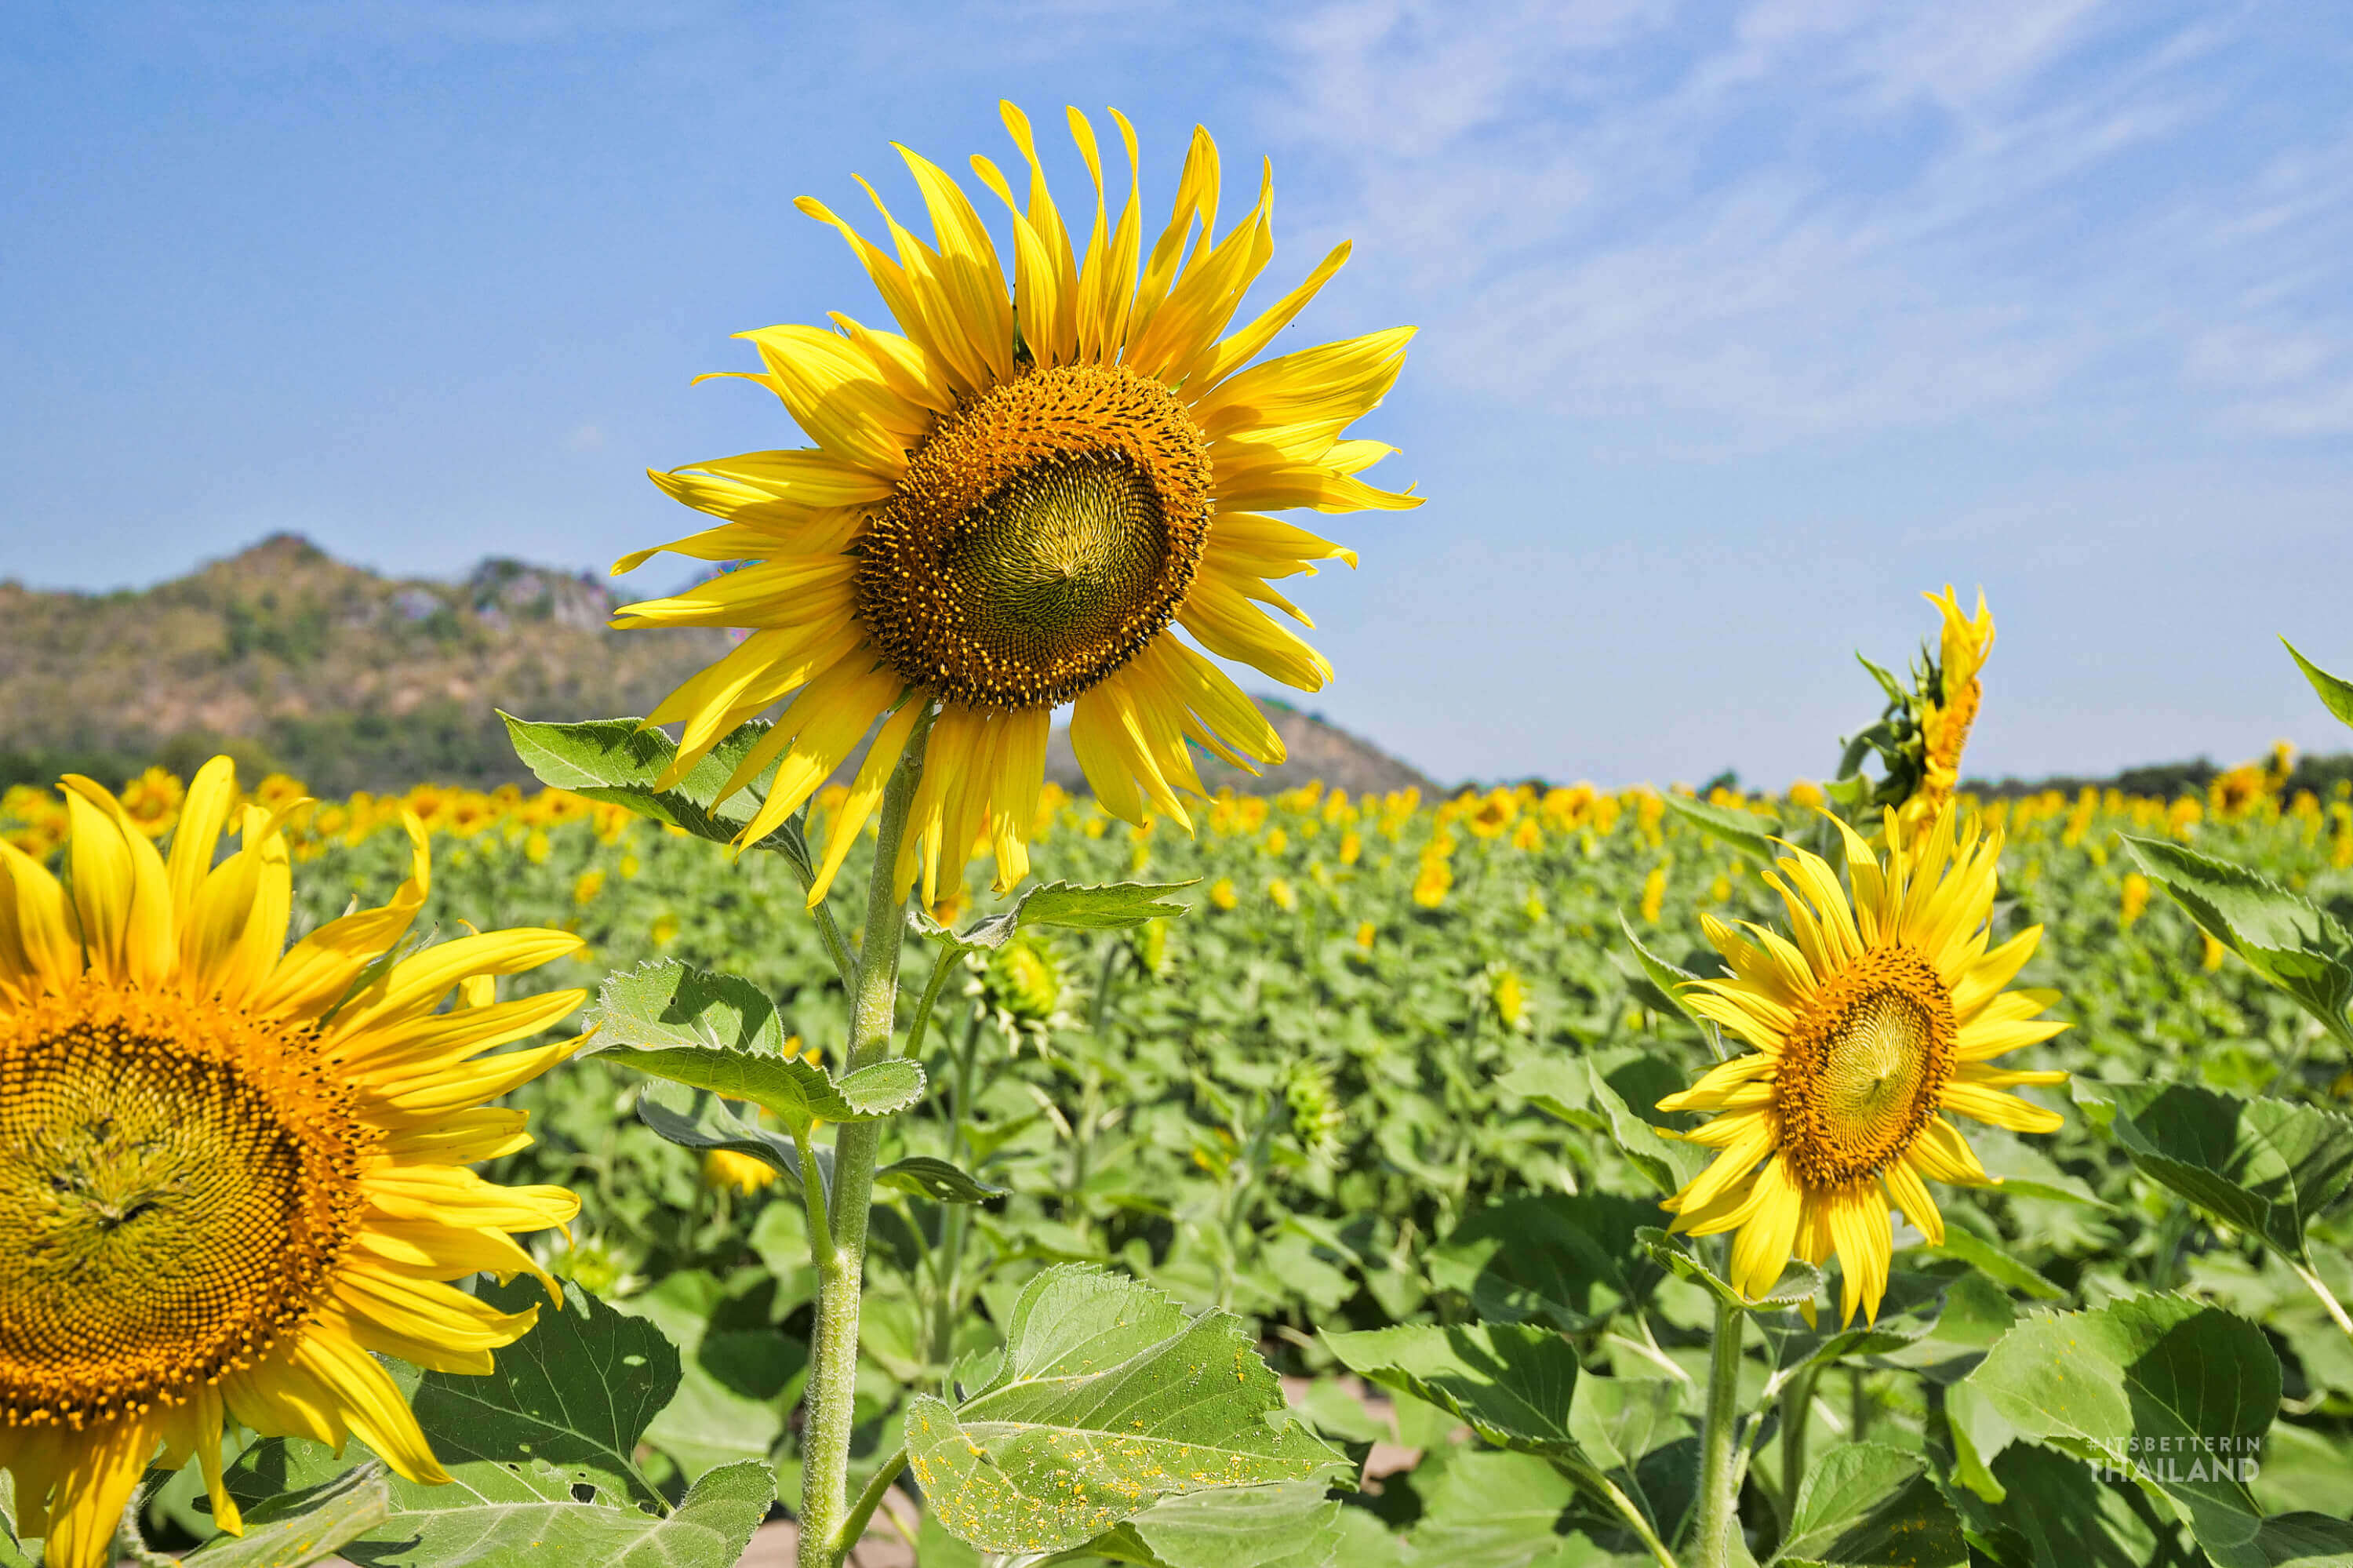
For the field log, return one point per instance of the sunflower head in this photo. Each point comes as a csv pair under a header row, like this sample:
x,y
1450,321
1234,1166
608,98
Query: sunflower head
x,y
1018,500
1921,734
229,1169
1879,1015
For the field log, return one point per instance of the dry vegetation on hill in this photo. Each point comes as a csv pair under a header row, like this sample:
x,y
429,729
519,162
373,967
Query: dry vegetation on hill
x,y
290,658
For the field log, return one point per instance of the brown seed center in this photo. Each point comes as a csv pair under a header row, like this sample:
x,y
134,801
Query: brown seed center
x,y
1864,1066
1043,534
177,1182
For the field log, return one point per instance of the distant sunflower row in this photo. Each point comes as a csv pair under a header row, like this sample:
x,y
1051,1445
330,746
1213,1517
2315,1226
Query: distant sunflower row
x,y
1524,816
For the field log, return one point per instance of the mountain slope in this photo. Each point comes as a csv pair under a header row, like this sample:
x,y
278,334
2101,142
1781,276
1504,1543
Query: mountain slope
x,y
289,658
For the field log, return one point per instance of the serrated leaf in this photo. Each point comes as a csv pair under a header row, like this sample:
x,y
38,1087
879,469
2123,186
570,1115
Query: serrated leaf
x,y
1542,1257
523,1515
710,1032
1849,1518
2284,936
1512,1382
2336,695
2263,1166
1800,1281
1668,979
1748,831
1995,1264
1289,1524
299,1528
618,760
576,1392
1104,1399
664,1004
1617,1420
713,1126
1560,1087
1484,1509
1108,907
2150,1385
1582,1094
937,1180
1908,1313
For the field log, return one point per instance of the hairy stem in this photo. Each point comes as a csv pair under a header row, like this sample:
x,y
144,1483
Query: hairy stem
x,y
840,1265
1719,1481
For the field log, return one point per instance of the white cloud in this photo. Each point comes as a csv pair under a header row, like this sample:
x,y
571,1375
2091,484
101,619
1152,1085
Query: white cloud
x,y
1828,216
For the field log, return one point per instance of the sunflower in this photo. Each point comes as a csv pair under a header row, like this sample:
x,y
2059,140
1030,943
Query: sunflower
x,y
1871,1021
230,1169
1012,503
1946,714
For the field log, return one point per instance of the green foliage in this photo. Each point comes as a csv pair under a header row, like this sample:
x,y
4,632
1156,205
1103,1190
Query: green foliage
x,y
2269,1168
2285,939
1104,1399
2161,1390
561,1416
297,1527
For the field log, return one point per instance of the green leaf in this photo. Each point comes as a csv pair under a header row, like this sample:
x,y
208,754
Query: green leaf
x,y
618,760
1866,1505
2336,695
1105,1398
575,1394
1560,1087
728,1405
1748,831
710,1124
1512,1382
1492,1510
1995,1264
937,1180
1670,980
671,1021
299,1528
665,1004
1110,908
2284,936
1801,1282
1578,1091
1543,1257
2263,1166
515,1515
2158,1387
1908,1313
1289,1524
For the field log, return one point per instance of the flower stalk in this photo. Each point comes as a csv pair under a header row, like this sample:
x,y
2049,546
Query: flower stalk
x,y
827,1519
1719,1473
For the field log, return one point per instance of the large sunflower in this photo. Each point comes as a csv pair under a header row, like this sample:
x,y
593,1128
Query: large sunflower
x,y
226,1176
1010,506
1871,1021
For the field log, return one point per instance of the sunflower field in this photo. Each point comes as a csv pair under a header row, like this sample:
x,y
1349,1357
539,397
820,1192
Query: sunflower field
x,y
1392,1073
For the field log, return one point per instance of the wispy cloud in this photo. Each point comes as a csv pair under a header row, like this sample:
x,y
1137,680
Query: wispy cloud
x,y
1828,216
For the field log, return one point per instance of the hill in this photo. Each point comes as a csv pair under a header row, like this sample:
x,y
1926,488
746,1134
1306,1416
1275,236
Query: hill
x,y
289,658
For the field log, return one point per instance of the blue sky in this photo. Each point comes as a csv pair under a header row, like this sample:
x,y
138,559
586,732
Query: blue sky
x,y
1742,322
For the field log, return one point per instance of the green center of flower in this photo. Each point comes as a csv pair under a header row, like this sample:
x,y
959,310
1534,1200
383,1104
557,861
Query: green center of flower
x,y
1043,534
1864,1066
176,1182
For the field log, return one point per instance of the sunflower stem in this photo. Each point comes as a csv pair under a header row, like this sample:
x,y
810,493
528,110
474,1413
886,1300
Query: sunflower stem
x,y
131,1542
1719,1478
825,1517
2327,1299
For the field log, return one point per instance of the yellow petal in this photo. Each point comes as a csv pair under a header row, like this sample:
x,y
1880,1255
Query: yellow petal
x,y
2000,1109
121,893
1909,1193
849,819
